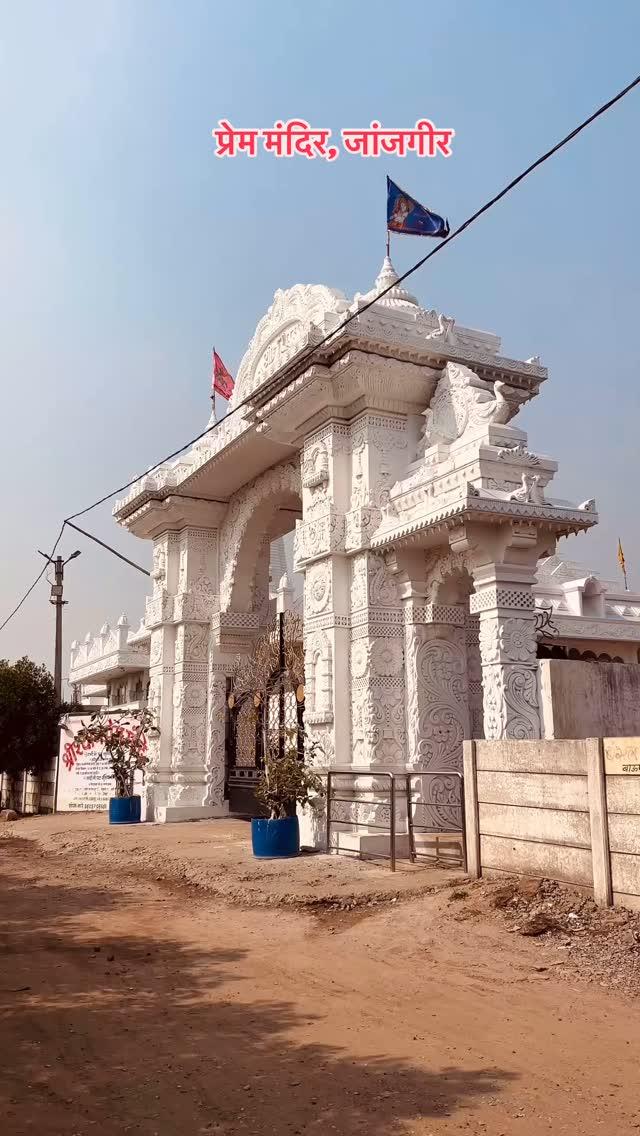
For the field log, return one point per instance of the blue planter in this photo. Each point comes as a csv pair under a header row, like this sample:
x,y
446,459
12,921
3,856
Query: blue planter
x,y
124,810
275,839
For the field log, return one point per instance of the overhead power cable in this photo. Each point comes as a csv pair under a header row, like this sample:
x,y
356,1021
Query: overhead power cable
x,y
36,581
312,350
131,563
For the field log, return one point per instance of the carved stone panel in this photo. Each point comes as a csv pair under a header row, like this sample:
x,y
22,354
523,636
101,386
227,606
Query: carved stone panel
x,y
437,700
509,674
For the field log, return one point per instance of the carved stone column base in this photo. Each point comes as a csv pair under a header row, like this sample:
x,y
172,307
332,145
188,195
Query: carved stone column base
x,y
163,814
155,793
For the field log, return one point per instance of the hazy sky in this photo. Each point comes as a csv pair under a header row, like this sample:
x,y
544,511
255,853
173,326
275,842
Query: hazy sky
x,y
128,249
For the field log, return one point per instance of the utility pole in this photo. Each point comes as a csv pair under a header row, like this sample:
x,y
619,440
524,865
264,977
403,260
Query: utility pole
x,y
56,598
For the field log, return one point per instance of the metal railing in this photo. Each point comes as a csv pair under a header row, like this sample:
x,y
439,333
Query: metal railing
x,y
390,796
450,806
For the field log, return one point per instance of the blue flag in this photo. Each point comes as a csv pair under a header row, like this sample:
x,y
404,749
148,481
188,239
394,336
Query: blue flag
x,y
406,215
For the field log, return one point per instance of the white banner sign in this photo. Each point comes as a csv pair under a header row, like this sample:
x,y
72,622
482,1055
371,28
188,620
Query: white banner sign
x,y
85,780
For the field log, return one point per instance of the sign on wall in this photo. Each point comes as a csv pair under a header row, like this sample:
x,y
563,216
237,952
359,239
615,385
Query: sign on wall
x,y
85,781
621,755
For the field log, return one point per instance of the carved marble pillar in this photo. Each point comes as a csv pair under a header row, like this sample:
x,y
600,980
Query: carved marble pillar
x,y
260,598
326,648
504,601
159,621
378,734
319,554
436,678
474,674
379,449
379,446
197,761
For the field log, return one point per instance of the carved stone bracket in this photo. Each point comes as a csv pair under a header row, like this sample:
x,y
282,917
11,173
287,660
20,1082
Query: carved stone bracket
x,y
235,630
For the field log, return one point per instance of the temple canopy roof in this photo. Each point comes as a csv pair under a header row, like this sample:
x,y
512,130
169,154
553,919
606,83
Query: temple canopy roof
x,y
304,314
279,388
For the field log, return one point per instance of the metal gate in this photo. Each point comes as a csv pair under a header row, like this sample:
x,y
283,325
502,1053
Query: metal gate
x,y
265,710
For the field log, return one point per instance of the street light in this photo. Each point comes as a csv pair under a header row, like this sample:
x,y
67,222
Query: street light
x,y
58,602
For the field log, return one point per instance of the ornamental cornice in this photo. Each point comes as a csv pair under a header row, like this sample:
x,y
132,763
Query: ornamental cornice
x,y
579,627
112,663
152,513
370,333
350,367
561,520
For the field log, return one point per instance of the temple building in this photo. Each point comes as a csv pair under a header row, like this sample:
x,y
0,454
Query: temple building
x,y
371,479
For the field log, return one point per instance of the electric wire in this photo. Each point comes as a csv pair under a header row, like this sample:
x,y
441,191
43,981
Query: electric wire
x,y
36,581
310,351
313,349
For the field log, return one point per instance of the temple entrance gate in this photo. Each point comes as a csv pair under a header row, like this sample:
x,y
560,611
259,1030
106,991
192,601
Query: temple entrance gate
x,y
265,710
420,515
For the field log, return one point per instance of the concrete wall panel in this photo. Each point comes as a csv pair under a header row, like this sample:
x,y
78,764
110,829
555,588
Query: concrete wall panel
x,y
624,833
559,827
625,873
532,757
571,865
550,790
623,795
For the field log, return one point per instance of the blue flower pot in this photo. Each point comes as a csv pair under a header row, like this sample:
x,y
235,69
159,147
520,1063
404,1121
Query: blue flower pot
x,y
124,810
275,839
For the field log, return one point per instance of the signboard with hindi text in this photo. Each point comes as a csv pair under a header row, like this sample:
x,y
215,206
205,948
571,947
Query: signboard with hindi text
x,y
622,755
85,780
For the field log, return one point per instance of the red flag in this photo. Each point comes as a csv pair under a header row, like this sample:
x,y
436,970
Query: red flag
x,y
221,381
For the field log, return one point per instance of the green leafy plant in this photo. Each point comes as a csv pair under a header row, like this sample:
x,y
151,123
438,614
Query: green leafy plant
x,y
125,742
286,780
29,716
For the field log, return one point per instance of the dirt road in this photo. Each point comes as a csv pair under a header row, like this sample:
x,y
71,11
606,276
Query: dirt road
x,y
141,1007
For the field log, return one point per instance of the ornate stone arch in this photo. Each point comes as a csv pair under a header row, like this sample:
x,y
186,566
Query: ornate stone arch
x,y
250,515
285,329
445,573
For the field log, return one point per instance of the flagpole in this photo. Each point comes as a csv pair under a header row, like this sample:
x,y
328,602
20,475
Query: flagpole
x,y
623,565
213,390
388,243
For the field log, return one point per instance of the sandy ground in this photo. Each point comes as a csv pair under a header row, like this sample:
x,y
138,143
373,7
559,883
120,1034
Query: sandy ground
x,y
216,856
132,1004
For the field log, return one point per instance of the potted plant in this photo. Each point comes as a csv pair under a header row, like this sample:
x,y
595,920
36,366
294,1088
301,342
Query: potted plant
x,y
125,742
285,781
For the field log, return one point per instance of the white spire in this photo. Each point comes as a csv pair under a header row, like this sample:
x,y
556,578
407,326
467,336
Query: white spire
x,y
398,298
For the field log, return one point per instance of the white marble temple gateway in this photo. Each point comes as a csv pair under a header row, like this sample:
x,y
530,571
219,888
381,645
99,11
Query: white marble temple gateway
x,y
425,534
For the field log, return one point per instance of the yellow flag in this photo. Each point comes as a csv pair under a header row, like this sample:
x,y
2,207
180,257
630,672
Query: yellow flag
x,y
621,556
